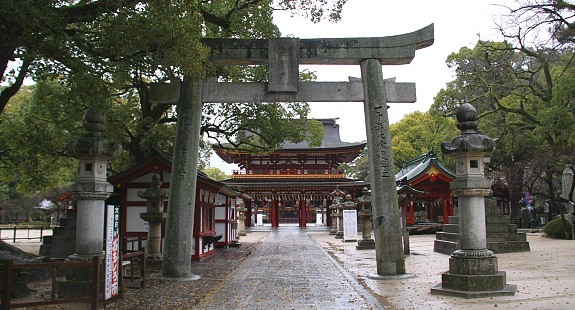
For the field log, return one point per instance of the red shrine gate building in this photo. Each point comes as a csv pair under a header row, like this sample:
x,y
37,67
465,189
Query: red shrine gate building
x,y
428,175
292,185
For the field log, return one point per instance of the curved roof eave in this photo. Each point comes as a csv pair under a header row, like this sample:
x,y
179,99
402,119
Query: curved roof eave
x,y
421,168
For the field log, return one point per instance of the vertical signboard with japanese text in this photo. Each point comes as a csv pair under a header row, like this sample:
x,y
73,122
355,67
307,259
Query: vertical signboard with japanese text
x,y
112,251
349,225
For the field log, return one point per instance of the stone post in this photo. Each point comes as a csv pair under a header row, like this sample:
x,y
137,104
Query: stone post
x,y
340,208
364,213
388,245
155,216
566,183
472,268
91,189
177,258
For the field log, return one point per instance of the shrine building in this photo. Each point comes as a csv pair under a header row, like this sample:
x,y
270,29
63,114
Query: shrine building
x,y
292,185
428,175
214,215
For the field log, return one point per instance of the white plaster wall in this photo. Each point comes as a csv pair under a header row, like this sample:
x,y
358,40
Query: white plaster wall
x,y
146,178
133,221
221,213
221,230
132,194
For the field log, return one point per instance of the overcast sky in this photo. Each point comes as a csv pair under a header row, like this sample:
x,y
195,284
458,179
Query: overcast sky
x,y
457,23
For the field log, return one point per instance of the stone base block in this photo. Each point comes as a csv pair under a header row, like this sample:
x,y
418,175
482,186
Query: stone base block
x,y
154,257
473,266
444,247
474,283
365,244
508,290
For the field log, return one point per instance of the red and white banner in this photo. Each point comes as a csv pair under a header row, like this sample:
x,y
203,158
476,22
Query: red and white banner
x,y
112,251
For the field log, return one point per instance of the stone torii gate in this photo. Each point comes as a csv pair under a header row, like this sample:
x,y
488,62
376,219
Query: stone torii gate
x,y
283,56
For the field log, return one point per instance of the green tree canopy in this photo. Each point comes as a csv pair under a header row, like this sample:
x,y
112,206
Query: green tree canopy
x,y
105,53
524,98
417,133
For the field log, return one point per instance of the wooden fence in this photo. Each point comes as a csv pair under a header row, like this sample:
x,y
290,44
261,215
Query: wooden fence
x,y
133,269
8,278
15,236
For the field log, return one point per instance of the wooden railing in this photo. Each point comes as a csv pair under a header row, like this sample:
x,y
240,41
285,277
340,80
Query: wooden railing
x,y
15,230
8,271
130,261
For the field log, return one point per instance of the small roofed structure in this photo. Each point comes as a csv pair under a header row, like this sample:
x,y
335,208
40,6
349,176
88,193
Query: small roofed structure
x,y
214,216
433,202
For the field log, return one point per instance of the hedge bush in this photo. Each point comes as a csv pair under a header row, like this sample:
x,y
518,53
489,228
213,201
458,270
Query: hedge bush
x,y
554,229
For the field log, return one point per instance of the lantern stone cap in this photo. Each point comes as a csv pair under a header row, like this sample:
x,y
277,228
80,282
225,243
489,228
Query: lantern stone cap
x,y
93,145
154,191
470,140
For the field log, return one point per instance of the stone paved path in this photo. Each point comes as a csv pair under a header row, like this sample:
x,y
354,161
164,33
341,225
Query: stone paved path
x,y
290,271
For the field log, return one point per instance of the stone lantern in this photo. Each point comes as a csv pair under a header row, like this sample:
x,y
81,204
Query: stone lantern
x,y
365,214
91,188
335,209
473,269
154,215
241,209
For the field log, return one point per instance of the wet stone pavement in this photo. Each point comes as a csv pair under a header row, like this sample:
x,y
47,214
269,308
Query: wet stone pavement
x,y
289,271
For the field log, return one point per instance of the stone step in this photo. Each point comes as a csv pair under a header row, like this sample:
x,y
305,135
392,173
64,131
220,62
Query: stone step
x,y
502,237
508,246
490,228
59,239
64,230
451,228
444,247
49,250
447,236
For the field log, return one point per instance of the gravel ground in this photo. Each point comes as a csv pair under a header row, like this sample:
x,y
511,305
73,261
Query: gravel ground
x,y
166,294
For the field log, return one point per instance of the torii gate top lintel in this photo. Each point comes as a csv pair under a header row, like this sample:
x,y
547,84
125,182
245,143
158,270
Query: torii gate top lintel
x,y
283,57
389,50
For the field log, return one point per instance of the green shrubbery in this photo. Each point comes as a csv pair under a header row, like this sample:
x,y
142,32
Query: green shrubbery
x,y
554,229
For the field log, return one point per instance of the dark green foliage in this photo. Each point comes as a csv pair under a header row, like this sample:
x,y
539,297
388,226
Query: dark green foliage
x,y
554,229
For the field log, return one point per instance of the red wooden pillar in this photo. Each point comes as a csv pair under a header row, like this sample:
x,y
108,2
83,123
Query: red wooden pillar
x,y
248,213
328,213
445,211
411,213
274,213
302,213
